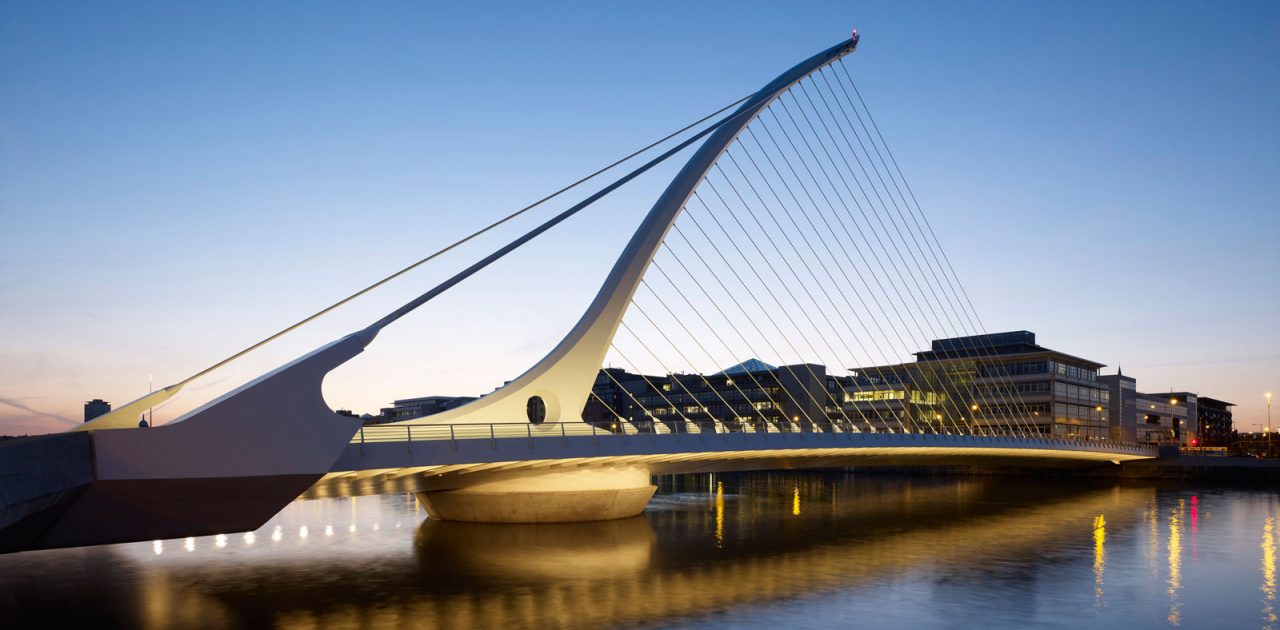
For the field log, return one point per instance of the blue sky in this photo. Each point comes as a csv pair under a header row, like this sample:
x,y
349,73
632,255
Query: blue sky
x,y
177,181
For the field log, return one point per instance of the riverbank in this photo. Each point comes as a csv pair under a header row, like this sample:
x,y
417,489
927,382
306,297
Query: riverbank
x,y
1234,470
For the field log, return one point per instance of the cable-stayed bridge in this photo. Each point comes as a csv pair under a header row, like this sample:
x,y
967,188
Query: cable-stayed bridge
x,y
790,234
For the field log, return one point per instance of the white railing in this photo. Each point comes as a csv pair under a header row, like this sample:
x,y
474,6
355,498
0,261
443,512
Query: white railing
x,y
454,433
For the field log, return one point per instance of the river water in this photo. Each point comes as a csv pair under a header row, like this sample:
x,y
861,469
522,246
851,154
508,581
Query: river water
x,y
795,550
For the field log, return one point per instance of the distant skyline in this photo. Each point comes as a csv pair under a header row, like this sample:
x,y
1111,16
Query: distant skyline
x,y
177,182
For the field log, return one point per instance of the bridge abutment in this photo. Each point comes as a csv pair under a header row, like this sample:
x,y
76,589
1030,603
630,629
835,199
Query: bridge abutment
x,y
560,497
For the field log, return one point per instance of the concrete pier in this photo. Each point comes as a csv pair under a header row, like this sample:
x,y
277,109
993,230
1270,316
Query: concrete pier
x,y
562,497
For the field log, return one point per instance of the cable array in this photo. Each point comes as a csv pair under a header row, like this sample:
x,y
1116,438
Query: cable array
x,y
794,287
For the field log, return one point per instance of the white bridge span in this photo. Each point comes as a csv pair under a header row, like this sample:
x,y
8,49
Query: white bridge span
x,y
233,463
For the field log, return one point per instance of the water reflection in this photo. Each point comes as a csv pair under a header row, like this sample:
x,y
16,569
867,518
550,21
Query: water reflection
x,y
1269,572
1099,557
761,550
1175,562
482,555
719,514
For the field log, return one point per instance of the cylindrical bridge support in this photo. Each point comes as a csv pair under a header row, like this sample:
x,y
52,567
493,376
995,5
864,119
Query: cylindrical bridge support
x,y
560,497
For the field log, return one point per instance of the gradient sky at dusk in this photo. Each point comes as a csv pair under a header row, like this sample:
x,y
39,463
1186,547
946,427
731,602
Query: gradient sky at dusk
x,y
180,180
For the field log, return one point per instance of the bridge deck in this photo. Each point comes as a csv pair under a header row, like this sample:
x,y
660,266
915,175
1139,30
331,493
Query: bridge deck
x,y
400,458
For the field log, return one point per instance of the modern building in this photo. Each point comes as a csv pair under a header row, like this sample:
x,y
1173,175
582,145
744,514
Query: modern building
x,y
995,383
1166,418
95,408
1163,417
750,393
1214,418
989,382
1122,407
410,408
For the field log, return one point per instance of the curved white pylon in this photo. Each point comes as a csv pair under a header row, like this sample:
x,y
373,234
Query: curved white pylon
x,y
564,377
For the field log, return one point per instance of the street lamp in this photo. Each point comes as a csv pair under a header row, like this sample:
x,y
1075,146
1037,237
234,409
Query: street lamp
x,y
1268,423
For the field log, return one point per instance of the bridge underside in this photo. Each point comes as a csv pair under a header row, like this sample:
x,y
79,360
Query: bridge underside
x,y
505,482
445,477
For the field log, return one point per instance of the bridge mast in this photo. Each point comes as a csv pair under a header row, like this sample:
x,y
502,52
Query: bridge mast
x,y
559,384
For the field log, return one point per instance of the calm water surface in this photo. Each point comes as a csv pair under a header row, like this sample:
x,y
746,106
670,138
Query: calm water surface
x,y
808,550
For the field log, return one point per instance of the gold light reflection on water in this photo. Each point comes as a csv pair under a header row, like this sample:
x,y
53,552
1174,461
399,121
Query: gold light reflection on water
x,y
719,514
1099,557
1269,572
616,572
1175,562
795,501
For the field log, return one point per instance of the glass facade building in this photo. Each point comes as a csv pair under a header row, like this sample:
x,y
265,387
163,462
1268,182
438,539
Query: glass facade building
x,y
986,383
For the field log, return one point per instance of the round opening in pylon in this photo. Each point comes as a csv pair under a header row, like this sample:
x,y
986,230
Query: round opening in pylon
x,y
537,409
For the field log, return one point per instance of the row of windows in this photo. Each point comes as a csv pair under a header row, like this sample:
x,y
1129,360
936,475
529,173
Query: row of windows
x,y
1014,369
1078,373
1011,389
709,397
1071,431
917,397
1013,410
1082,394
876,394
1064,411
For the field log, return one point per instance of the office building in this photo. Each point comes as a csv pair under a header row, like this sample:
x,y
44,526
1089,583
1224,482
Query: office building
x,y
750,393
995,382
95,408
1214,416
410,408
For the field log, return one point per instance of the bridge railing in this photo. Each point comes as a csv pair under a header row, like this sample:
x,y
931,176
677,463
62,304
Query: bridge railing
x,y
453,433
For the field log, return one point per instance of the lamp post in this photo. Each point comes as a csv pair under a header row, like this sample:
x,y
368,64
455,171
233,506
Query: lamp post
x,y
1268,423
1173,421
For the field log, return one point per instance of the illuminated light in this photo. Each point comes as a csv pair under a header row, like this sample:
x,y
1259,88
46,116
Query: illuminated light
x,y
189,544
719,513
795,501
351,528
250,538
1175,563
302,532
376,527
1269,570
220,541
157,546
1099,556
1098,408
277,534
328,530
397,524
974,407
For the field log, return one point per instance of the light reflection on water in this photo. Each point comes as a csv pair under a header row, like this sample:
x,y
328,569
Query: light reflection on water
x,y
762,550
